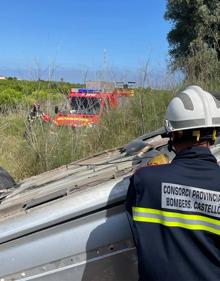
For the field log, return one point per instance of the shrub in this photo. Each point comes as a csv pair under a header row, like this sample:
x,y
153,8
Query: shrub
x,y
10,98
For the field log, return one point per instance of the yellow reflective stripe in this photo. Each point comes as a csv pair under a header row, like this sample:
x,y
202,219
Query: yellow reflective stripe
x,y
173,219
176,215
177,224
72,118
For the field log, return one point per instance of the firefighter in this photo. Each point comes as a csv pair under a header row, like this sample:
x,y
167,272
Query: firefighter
x,y
34,113
175,208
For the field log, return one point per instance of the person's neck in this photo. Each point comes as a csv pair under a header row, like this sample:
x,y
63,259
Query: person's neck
x,y
187,145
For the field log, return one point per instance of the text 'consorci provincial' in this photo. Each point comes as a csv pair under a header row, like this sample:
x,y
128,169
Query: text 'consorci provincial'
x,y
192,199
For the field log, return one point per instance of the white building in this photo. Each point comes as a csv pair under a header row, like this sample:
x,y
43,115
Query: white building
x,y
2,77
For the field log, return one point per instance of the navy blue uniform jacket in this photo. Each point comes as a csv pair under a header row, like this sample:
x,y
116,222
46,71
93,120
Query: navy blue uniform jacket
x,y
176,218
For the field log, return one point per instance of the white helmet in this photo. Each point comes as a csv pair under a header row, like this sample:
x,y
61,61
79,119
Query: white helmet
x,y
192,109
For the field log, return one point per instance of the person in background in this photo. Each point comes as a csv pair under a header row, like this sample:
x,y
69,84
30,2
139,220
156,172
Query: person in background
x,y
35,113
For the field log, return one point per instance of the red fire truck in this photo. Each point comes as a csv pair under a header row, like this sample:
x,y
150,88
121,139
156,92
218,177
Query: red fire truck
x,y
87,106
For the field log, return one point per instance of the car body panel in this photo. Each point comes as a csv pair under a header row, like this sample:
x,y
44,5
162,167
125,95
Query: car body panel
x,y
70,223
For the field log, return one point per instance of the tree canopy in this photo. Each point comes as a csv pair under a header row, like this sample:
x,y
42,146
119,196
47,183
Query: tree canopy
x,y
195,35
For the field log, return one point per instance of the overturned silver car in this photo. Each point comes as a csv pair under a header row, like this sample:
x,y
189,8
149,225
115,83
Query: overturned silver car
x,y
70,223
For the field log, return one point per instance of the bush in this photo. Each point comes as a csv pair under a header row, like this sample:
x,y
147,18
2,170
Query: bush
x,y
44,95
10,99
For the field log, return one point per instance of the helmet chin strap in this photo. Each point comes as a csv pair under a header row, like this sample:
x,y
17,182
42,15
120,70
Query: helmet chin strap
x,y
170,146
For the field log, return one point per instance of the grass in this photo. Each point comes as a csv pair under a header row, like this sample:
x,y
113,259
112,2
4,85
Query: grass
x,y
48,147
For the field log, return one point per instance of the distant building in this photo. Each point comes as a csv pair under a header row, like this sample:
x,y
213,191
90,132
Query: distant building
x,y
2,77
100,85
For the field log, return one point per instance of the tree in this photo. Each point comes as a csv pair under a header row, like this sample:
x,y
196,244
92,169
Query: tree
x,y
195,36
12,78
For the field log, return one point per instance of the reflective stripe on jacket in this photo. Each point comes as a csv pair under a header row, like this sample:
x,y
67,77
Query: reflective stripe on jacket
x,y
176,218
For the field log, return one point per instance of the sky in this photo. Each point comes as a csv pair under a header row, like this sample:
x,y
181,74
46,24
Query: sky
x,y
82,39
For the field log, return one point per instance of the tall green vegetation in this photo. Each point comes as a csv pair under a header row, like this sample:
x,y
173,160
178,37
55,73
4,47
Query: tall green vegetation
x,y
47,146
194,40
15,94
